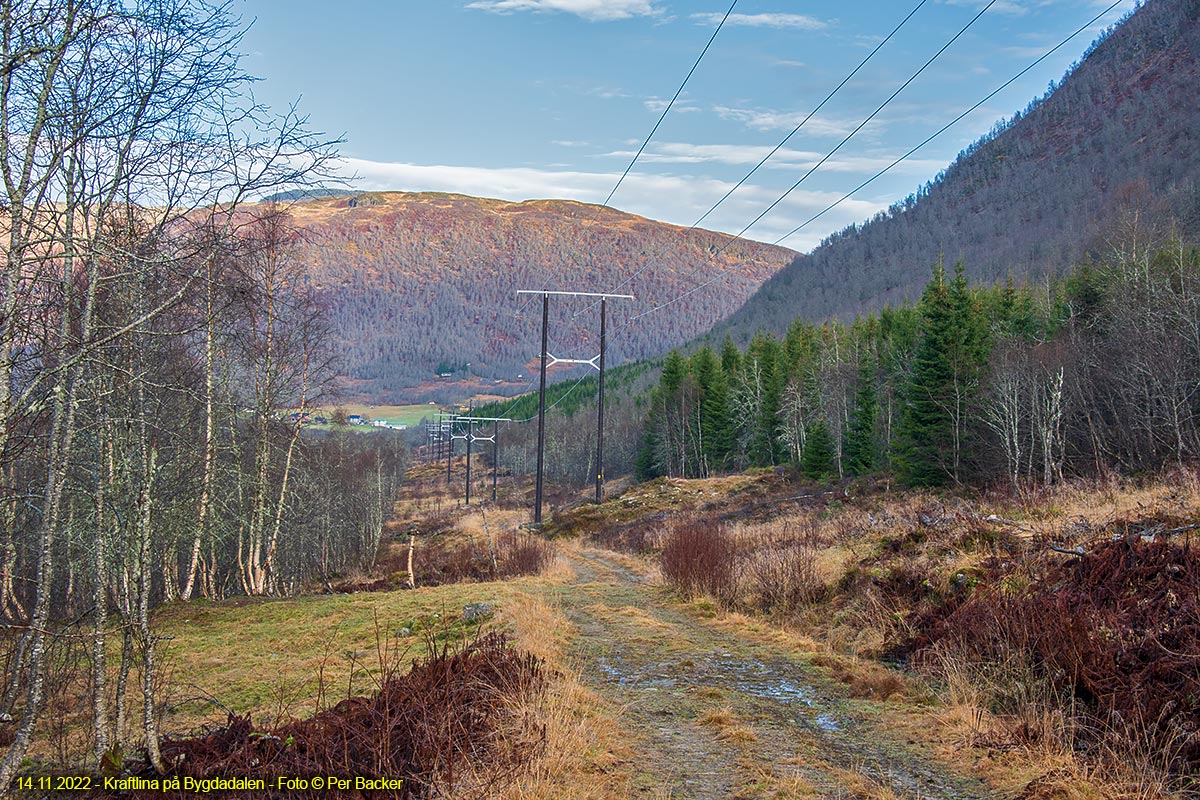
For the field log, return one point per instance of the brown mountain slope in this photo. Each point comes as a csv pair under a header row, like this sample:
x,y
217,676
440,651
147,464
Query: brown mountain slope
x,y
1111,156
422,283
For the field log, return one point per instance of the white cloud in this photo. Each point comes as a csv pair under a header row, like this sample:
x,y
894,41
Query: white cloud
x,y
605,92
794,21
784,158
1024,52
1016,7
1020,7
679,199
659,104
771,119
593,10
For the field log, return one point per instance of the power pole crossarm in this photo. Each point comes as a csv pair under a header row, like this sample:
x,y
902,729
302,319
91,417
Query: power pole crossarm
x,y
548,360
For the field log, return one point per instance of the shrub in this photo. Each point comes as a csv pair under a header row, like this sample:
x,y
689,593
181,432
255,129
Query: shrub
x,y
1118,628
522,555
699,558
783,577
451,722
515,555
635,537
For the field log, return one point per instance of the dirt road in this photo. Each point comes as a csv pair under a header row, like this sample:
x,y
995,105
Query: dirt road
x,y
716,715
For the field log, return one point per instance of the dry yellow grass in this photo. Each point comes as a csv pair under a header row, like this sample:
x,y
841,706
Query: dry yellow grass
x,y
727,726
586,756
647,570
858,544
762,629
862,786
740,734
780,781
717,718
629,615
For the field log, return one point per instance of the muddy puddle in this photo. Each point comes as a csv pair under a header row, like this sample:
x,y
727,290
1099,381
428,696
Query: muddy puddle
x,y
666,670
752,678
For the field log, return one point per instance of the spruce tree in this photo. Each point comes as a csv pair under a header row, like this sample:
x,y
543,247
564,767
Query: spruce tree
x,y
674,370
818,460
716,427
646,465
969,346
926,428
860,437
949,358
765,448
731,359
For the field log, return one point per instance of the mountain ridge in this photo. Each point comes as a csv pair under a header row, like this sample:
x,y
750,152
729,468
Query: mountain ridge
x,y
419,284
1115,143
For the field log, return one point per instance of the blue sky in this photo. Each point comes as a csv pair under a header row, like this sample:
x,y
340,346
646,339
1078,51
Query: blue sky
x,y
522,99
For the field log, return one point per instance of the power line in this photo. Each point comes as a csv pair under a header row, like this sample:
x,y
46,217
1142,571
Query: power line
x,y
859,127
947,126
891,166
818,165
678,92
663,116
784,141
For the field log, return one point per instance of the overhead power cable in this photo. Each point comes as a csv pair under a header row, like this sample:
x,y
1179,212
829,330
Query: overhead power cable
x,y
778,147
947,126
858,127
666,110
633,161
889,167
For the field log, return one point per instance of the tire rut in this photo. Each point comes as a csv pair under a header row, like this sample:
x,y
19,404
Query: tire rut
x,y
793,725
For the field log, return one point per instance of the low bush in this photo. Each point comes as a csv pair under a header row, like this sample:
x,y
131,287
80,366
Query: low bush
x,y
700,558
514,554
451,726
522,554
636,537
783,577
1117,629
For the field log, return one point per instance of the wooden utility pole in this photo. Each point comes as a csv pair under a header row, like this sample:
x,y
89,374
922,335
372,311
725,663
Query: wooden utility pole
x,y
471,437
467,479
495,454
600,408
449,446
548,360
541,442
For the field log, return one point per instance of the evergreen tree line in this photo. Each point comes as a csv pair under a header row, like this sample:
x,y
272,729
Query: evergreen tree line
x,y
1093,371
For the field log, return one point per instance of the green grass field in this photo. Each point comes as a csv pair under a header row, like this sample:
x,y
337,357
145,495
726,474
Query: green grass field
x,y
393,415
275,657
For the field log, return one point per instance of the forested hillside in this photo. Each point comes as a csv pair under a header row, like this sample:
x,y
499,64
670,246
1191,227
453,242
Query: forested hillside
x,y
1113,148
421,284
1094,372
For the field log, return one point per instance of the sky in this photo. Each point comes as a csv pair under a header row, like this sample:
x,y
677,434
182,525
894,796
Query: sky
x,y
533,99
